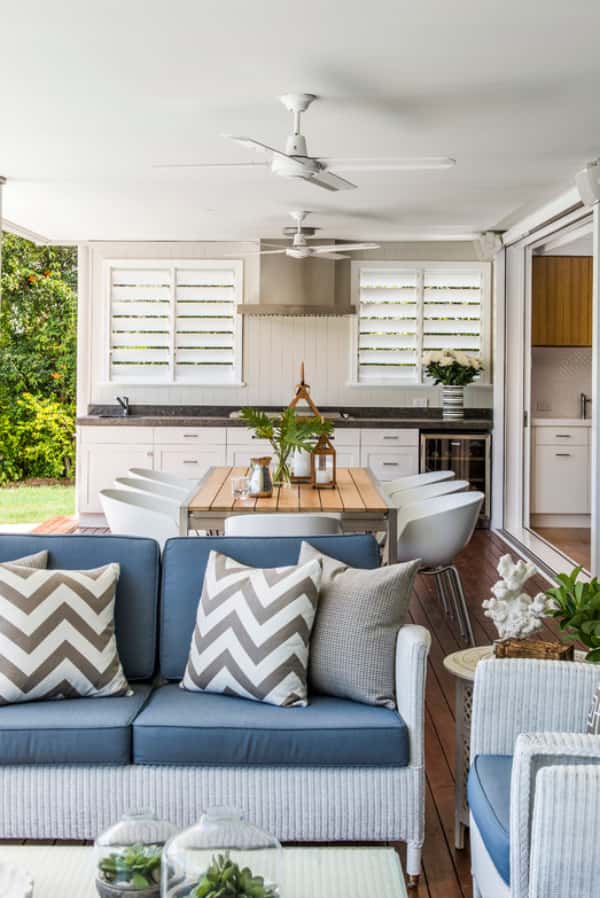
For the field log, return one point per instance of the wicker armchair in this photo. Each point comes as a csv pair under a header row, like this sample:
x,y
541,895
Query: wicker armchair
x,y
534,783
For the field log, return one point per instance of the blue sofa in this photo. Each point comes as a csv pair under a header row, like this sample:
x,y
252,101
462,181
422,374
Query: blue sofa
x,y
336,770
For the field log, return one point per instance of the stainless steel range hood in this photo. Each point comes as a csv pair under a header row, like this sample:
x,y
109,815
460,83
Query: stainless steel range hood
x,y
301,288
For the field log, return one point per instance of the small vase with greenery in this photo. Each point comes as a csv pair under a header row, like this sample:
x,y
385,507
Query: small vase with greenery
x,y
136,869
286,432
225,879
575,604
452,368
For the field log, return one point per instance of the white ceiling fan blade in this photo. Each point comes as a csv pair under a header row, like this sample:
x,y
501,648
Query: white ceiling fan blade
x,y
332,256
417,163
211,165
256,145
271,252
329,181
346,247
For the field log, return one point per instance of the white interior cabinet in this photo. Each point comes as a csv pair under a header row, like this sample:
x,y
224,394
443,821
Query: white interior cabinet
x,y
561,471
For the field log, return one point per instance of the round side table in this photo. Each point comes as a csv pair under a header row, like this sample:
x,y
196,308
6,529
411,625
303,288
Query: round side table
x,y
462,666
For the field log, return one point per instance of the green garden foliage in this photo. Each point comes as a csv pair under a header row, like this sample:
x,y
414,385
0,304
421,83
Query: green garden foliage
x,y
38,334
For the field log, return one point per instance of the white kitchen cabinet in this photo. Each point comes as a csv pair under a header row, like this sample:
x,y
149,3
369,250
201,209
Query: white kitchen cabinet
x,y
561,471
388,464
192,462
100,463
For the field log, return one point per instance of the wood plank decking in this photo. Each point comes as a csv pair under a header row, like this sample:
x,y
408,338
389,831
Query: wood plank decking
x,y
446,872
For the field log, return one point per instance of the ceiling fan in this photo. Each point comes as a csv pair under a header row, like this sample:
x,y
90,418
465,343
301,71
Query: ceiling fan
x,y
300,248
295,162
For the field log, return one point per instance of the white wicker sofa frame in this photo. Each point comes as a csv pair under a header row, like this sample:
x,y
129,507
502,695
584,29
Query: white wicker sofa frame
x,y
297,804
536,711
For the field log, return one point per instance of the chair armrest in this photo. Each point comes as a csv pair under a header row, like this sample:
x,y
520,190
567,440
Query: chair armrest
x,y
565,833
518,695
412,649
536,753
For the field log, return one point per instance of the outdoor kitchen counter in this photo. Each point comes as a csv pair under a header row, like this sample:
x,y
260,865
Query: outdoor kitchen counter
x,y
171,416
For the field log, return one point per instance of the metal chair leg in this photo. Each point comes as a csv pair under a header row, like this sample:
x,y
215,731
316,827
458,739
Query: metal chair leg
x,y
466,625
441,590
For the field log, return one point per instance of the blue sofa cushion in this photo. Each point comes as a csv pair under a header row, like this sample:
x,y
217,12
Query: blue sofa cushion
x,y
489,801
136,608
178,727
184,563
71,731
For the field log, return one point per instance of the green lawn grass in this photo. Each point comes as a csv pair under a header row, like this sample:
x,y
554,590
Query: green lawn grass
x,y
33,504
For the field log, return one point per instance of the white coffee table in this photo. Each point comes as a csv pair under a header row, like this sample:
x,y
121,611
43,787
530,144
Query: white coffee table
x,y
65,871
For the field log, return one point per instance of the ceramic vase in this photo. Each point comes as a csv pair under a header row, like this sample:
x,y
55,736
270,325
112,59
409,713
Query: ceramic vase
x,y
453,402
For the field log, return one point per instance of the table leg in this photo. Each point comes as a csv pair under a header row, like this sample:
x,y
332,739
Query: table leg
x,y
464,704
392,536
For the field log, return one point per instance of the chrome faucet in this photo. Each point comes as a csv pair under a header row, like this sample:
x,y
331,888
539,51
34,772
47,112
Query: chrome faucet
x,y
124,403
584,401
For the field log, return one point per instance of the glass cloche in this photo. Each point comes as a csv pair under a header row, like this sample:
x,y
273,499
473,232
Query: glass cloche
x,y
222,855
128,856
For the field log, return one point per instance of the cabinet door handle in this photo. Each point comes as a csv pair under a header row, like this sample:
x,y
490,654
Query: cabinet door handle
x,y
563,454
191,436
191,461
563,436
391,438
149,454
390,464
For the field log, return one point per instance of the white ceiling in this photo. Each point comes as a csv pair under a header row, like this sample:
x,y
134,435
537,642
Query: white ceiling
x,y
93,93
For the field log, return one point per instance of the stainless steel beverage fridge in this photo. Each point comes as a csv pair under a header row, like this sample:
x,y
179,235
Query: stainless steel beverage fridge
x,y
467,454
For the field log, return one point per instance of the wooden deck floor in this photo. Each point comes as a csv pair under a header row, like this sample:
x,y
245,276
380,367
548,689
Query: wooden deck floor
x,y
446,871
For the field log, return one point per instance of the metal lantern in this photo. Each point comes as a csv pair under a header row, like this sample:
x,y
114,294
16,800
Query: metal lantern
x,y
322,464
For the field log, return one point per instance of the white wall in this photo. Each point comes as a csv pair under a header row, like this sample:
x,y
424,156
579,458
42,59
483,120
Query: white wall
x,y
273,347
558,376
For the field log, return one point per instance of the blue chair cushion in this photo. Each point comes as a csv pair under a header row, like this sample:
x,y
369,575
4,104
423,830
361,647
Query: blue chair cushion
x,y
70,731
178,727
184,563
489,801
136,608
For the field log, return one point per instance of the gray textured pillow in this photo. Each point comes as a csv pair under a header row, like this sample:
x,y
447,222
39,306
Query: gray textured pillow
x,y
352,649
593,721
38,560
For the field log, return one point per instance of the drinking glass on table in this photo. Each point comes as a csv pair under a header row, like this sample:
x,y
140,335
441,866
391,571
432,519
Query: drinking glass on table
x,y
239,487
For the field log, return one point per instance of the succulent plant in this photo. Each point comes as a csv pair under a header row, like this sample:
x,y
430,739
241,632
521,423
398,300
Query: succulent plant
x,y
225,879
138,866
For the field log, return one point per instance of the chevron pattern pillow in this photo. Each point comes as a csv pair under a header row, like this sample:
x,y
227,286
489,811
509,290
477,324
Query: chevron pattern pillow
x,y
57,634
252,631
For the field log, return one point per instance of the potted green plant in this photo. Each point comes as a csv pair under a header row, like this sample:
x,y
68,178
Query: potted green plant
x,y
286,433
454,370
575,604
133,871
225,879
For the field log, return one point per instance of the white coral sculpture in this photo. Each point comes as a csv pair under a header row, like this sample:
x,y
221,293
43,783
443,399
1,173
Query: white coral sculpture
x,y
515,613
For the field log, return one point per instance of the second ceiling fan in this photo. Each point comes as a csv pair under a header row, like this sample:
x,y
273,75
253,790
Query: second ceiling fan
x,y
295,162
301,249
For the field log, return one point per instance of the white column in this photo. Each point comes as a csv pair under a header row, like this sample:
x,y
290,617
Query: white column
x,y
595,450
2,182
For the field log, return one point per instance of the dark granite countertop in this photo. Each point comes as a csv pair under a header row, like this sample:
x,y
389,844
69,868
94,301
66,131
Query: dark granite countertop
x,y
425,419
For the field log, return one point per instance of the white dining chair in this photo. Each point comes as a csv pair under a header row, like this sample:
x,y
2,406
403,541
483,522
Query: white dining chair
x,y
130,513
282,525
412,481
153,487
436,530
401,498
162,477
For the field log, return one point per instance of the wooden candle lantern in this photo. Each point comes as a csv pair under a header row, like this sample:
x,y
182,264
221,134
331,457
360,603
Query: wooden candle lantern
x,y
322,464
301,463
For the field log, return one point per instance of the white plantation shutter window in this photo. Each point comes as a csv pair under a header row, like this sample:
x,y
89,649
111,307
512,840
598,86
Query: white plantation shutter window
x,y
387,339
452,302
408,308
175,322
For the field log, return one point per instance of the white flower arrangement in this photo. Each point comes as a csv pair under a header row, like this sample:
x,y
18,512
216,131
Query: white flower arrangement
x,y
515,613
452,367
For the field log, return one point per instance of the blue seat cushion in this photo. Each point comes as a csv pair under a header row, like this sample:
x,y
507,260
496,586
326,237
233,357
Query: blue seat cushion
x,y
70,731
136,607
184,563
489,801
178,727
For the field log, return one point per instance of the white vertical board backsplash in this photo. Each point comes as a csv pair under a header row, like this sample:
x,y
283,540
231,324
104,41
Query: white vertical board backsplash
x,y
273,347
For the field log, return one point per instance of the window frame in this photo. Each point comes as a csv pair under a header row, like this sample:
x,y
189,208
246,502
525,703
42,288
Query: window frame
x,y
172,265
420,266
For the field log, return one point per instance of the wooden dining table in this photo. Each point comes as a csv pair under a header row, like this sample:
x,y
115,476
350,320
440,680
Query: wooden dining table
x,y
357,499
